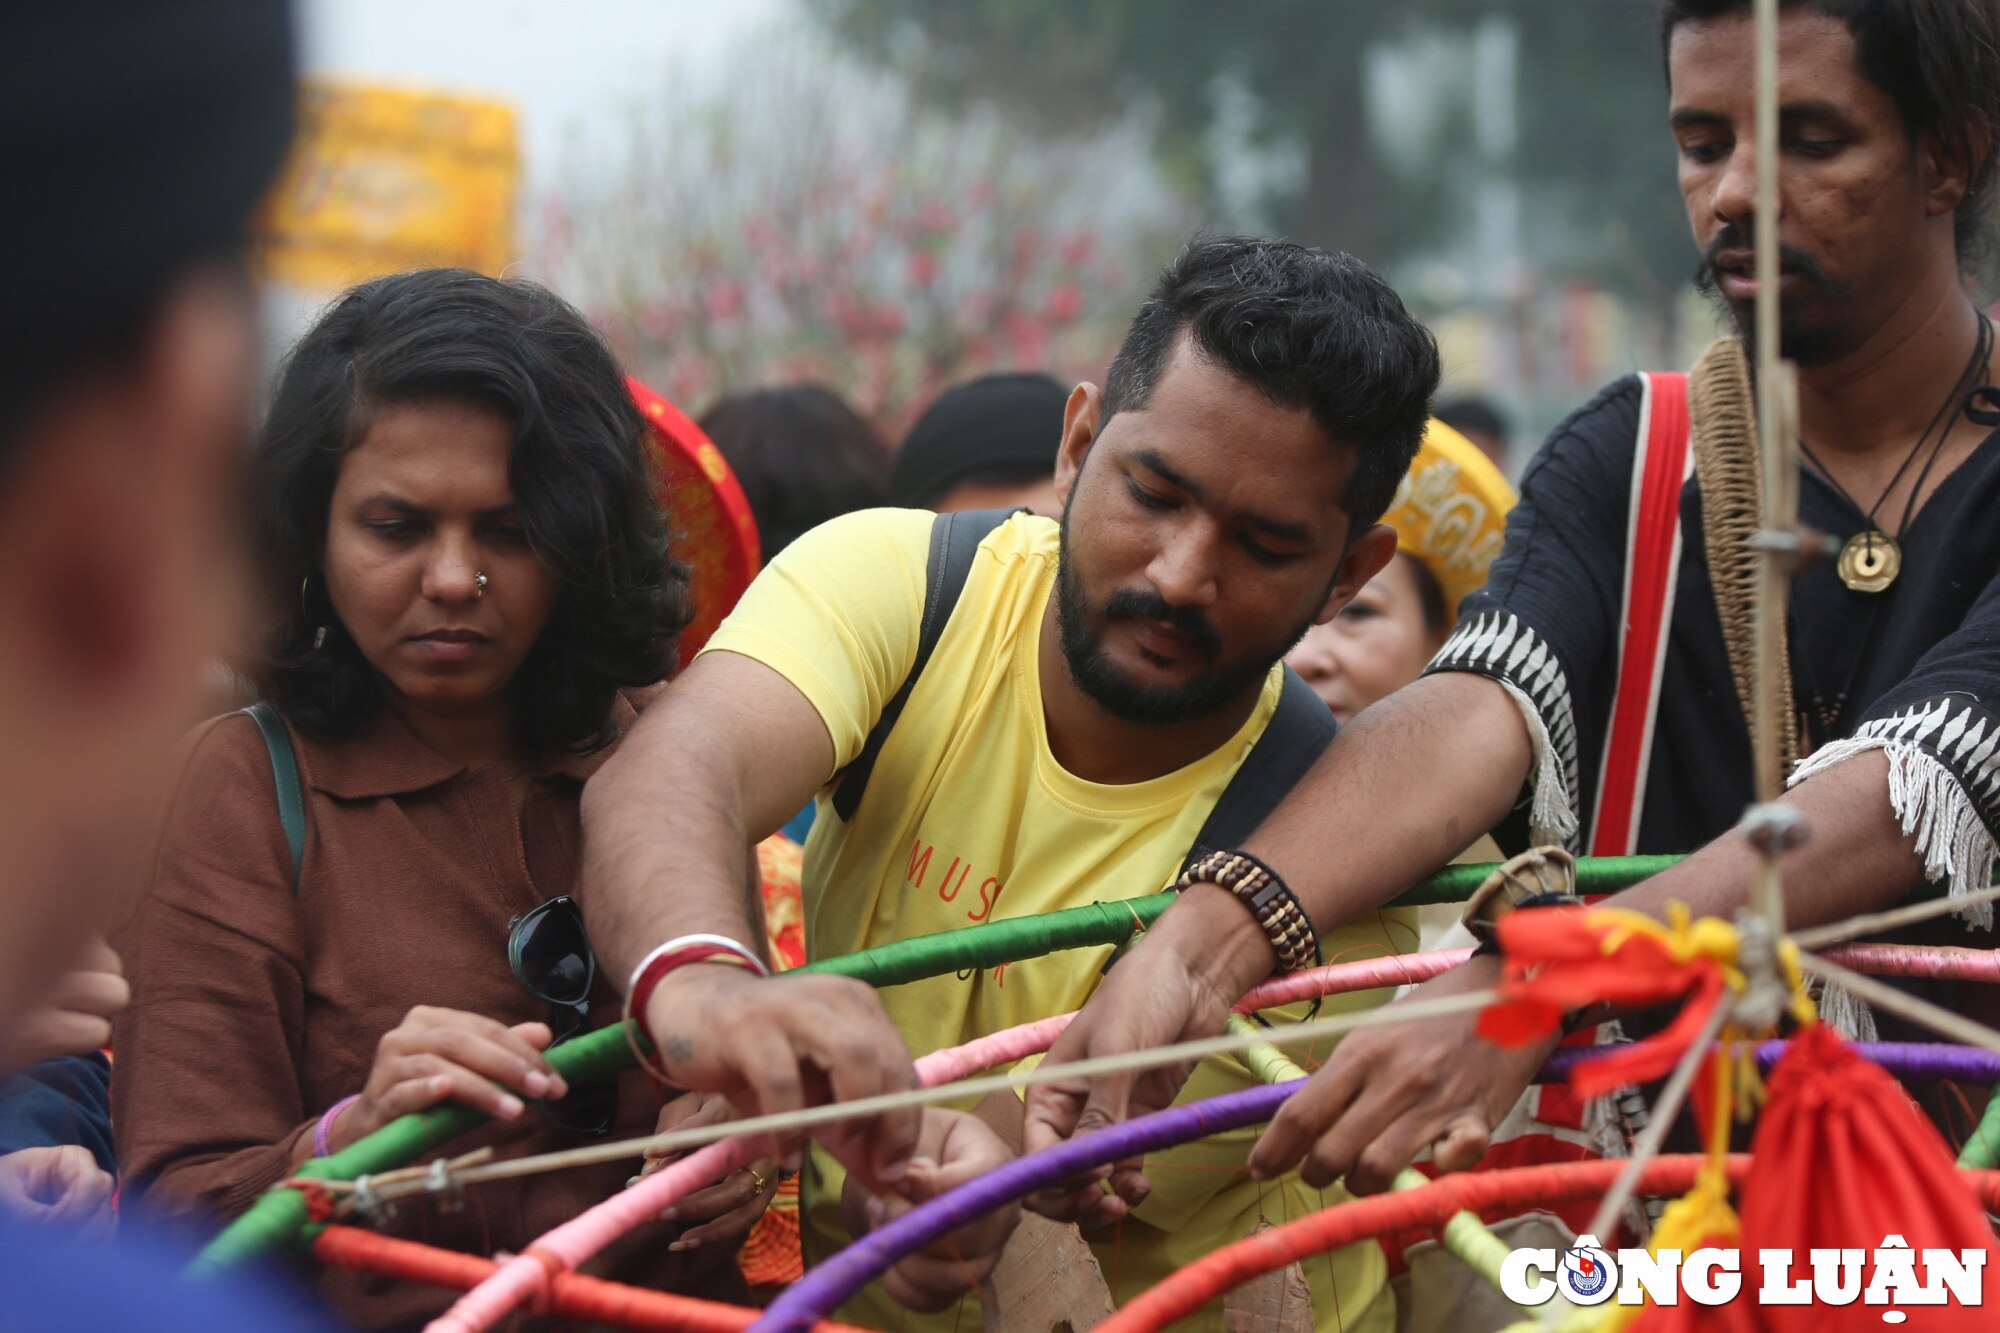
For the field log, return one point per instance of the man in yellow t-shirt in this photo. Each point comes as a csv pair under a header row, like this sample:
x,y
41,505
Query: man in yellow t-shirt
x,y
1095,688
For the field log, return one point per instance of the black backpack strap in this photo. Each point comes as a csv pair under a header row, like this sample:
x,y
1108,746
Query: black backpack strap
x,y
285,774
954,539
1297,734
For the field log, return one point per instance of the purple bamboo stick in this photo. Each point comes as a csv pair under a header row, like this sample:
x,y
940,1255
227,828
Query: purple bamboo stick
x,y
1911,1061
822,1290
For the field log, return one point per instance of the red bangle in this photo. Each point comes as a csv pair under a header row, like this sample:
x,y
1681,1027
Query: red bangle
x,y
657,965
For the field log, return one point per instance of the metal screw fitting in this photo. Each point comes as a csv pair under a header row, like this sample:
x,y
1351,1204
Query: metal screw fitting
x,y
1774,829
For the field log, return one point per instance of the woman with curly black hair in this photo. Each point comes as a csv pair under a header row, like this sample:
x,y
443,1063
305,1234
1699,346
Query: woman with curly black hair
x,y
361,903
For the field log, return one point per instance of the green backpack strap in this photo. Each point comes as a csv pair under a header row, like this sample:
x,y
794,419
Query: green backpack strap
x,y
285,774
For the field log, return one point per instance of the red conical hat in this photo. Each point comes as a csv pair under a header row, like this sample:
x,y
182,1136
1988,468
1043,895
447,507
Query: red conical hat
x,y
709,524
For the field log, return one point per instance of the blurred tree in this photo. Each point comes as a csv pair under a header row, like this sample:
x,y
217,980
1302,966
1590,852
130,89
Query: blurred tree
x,y
1595,149
1062,64
806,219
1588,94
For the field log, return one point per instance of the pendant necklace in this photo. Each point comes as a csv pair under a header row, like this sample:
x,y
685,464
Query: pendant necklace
x,y
1871,559
1820,719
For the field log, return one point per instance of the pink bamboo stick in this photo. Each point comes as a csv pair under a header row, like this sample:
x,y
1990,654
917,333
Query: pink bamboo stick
x,y
990,1052
523,1280
1341,978
1914,960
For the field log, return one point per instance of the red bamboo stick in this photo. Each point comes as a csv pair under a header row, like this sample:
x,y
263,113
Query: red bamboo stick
x,y
1362,1219
571,1295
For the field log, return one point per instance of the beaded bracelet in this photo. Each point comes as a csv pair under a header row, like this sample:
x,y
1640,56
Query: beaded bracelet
x,y
323,1136
655,966
1270,900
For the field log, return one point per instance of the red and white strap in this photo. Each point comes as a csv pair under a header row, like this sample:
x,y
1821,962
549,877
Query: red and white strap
x,y
1660,470
1549,1124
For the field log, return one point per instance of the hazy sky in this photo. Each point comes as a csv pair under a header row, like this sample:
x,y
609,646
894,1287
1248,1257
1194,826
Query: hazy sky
x,y
567,65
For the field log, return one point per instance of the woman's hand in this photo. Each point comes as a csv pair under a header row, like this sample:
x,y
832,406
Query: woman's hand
x,y
952,1148
720,1216
62,1186
75,1017
438,1055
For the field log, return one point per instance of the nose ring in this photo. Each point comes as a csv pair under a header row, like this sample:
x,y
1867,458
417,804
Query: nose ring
x,y
479,582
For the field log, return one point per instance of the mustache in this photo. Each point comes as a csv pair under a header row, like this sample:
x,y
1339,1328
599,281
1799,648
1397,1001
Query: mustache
x,y
1741,236
1134,604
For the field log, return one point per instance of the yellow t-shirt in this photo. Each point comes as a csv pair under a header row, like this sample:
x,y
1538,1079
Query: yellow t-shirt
x,y
969,818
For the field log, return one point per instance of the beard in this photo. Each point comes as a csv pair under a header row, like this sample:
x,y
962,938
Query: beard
x,y
1110,688
1807,341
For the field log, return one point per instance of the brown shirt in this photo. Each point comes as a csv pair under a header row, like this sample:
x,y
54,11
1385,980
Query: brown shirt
x,y
257,1004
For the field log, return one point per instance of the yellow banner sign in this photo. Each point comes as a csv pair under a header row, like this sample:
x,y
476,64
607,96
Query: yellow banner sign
x,y
386,179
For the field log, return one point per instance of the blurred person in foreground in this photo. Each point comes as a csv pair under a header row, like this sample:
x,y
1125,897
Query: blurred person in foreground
x,y
1099,687
801,455
135,139
57,1163
470,597
985,444
1888,117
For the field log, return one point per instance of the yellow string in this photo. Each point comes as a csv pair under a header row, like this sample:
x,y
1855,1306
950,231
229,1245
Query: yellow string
x,y
1687,938
1684,937
1804,1012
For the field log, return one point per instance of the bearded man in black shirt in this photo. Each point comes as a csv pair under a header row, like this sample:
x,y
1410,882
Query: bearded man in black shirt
x,y
1595,693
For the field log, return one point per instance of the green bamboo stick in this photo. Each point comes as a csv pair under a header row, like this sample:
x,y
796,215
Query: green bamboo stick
x,y
1096,924
1984,1146
1594,875
279,1218
997,942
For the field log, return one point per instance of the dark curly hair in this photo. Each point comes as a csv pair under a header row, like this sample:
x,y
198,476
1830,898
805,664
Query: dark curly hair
x,y
579,474
1315,329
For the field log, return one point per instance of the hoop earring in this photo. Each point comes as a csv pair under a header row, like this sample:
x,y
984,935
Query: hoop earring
x,y
319,631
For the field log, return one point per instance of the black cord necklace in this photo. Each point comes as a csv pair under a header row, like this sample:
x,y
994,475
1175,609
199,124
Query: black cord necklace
x,y
1871,559
1822,716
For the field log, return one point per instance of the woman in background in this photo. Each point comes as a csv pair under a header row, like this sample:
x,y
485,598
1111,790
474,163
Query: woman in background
x,y
472,591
